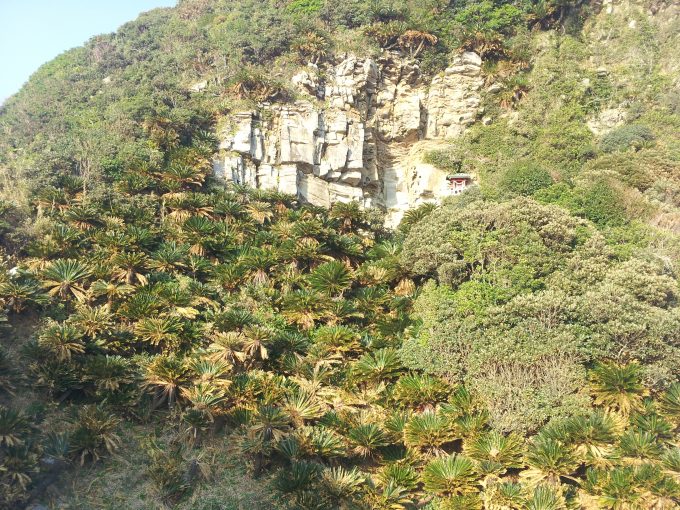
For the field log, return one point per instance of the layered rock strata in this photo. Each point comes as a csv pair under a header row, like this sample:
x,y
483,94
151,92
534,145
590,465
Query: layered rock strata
x,y
358,133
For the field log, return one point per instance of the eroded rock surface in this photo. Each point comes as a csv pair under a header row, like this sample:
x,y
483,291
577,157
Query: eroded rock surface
x,y
359,133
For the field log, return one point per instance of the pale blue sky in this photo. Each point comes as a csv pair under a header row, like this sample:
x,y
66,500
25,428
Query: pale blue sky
x,y
33,32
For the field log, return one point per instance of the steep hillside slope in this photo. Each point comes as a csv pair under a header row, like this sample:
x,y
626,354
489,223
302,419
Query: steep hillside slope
x,y
338,254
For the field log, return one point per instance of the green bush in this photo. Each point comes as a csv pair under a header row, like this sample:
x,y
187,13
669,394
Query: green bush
x,y
525,178
630,136
305,7
601,203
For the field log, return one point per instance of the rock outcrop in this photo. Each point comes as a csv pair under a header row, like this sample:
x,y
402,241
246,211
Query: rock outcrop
x,y
357,134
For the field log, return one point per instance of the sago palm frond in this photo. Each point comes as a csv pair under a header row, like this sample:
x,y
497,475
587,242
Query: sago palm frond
x,y
450,475
618,387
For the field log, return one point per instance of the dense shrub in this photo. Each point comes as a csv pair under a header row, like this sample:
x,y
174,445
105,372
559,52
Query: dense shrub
x,y
525,178
600,202
630,136
528,296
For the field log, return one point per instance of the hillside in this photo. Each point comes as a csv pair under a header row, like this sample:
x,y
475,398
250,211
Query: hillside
x,y
307,254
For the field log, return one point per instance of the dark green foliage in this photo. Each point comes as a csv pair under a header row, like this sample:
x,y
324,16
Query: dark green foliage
x,y
601,203
630,136
487,323
525,179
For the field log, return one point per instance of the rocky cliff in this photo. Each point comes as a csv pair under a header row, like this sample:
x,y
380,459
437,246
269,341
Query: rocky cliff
x,y
357,131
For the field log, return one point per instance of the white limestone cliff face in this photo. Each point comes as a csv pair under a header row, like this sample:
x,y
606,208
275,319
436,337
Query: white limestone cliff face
x,y
358,134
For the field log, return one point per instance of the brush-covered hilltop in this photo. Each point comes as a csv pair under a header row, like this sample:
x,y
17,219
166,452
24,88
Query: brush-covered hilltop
x,y
343,254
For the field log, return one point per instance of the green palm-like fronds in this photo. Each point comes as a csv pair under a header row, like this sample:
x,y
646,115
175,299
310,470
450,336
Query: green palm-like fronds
x,y
14,427
164,376
496,448
330,278
94,434
130,267
261,212
109,373
19,295
93,320
428,432
593,436
399,474
170,257
111,290
349,214
16,468
340,483
383,364
303,407
639,447
549,460
65,278
618,387
159,331
299,476
421,390
450,475
204,397
390,497
83,218
654,424
62,339
413,216
325,443
303,308
545,497
269,423
670,403
341,339
366,439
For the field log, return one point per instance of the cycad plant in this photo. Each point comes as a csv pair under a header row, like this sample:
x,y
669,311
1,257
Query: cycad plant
x,y
129,267
269,423
330,278
618,387
593,436
670,403
160,331
342,484
545,497
164,376
65,278
14,427
428,432
400,474
497,449
93,320
94,434
17,295
549,461
450,475
61,339
366,439
379,365
302,407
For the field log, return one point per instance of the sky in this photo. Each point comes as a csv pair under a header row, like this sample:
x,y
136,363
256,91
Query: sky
x,y
33,32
